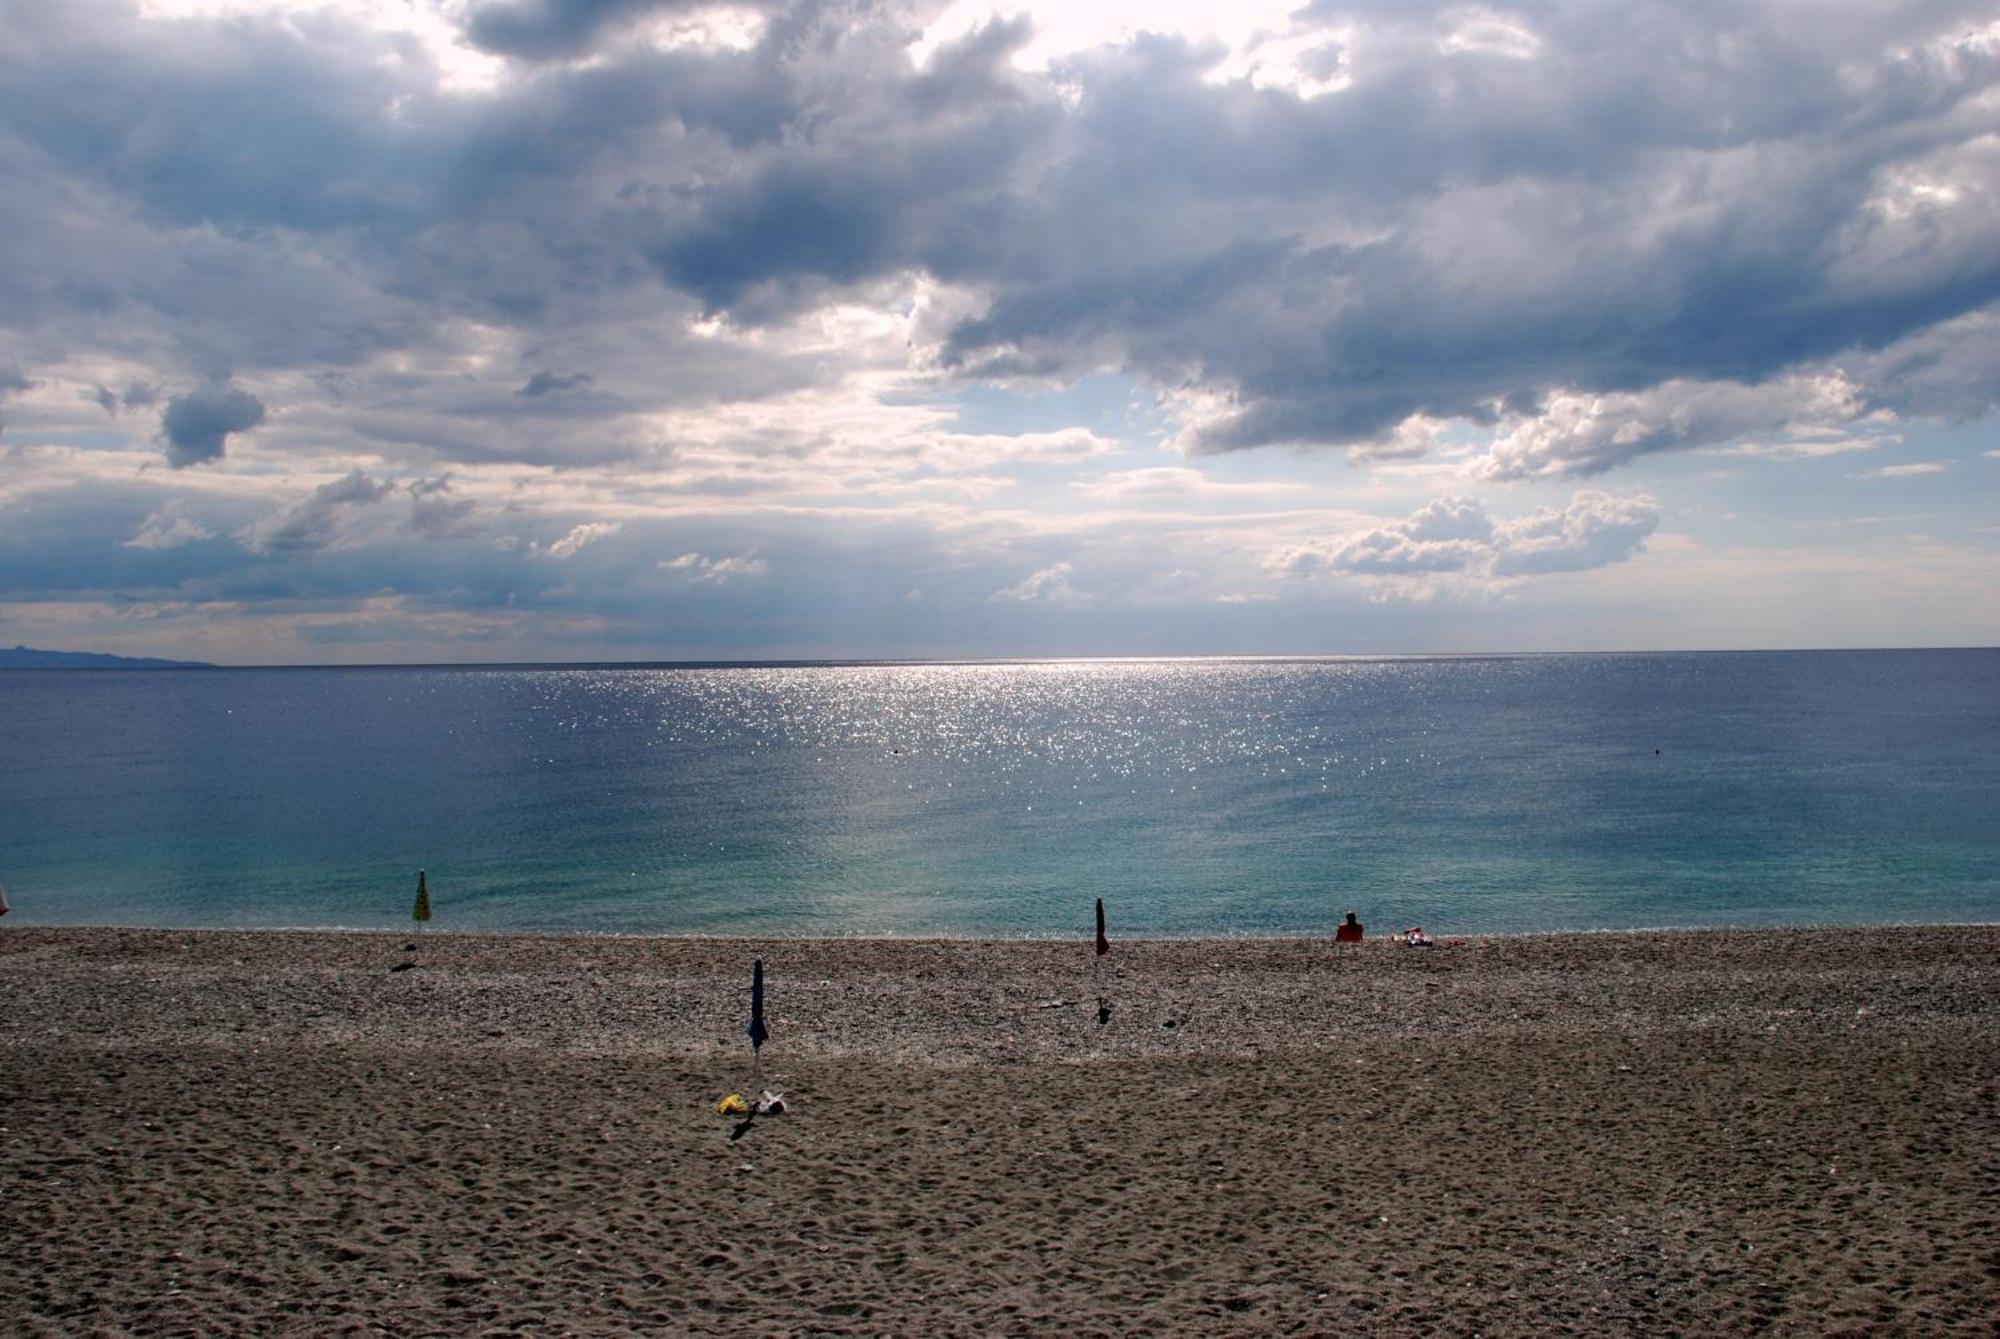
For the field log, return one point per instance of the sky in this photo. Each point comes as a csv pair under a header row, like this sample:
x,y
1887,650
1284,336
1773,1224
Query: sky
x,y
502,330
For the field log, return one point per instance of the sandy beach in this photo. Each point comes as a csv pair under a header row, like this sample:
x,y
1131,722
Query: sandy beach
x,y
1712,1132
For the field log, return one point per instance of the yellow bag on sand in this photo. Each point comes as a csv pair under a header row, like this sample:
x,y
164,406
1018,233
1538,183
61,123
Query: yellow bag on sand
x,y
732,1105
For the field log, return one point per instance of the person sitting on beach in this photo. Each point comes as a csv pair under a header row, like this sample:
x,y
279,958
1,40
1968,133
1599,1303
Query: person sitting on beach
x,y
1416,938
1348,932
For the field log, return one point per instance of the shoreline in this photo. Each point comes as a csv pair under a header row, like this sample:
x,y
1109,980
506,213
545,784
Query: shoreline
x,y
1316,935
1723,1131
969,1000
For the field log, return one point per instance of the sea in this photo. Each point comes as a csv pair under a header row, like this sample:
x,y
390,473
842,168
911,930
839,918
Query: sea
x,y
1234,797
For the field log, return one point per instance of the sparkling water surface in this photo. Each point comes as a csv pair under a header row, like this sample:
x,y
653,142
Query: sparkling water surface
x,y
1478,795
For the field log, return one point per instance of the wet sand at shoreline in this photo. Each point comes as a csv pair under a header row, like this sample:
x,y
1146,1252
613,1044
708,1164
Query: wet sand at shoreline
x,y
1731,1131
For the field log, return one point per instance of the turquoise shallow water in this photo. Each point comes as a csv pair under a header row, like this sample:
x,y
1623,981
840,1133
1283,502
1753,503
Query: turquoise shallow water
x,y
1479,795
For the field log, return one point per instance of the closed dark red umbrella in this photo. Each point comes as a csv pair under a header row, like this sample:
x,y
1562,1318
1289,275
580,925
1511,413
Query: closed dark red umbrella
x,y
1103,944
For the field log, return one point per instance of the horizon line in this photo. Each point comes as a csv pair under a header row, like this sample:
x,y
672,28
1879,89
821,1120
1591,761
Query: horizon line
x,y
890,662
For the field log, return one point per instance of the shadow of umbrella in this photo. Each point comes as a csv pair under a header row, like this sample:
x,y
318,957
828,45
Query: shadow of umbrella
x,y
758,1034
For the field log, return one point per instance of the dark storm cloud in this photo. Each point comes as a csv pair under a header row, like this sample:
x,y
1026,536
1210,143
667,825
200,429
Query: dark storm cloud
x,y
552,383
196,425
137,395
1620,211
245,122
1660,194
916,171
548,29
318,521
1604,201
434,512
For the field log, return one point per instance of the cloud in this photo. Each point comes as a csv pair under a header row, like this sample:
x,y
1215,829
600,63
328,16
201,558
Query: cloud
x,y
1576,434
1805,446
320,521
1456,536
1446,535
11,383
1594,530
955,452
1174,482
866,291
1910,471
553,29
583,534
197,424
718,571
168,528
1048,586
136,395
1595,238
549,383
434,514
1612,221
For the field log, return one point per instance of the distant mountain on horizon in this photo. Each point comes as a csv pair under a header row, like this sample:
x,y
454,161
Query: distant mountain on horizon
x,y
27,657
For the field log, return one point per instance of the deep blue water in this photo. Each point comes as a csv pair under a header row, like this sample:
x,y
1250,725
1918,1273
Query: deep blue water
x,y
1499,794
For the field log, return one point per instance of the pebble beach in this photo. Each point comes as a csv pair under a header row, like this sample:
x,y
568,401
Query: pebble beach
x,y
1737,1131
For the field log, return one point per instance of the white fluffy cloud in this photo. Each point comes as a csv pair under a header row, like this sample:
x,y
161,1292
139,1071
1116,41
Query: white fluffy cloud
x,y
1594,530
578,536
1577,434
701,567
1455,536
1049,586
